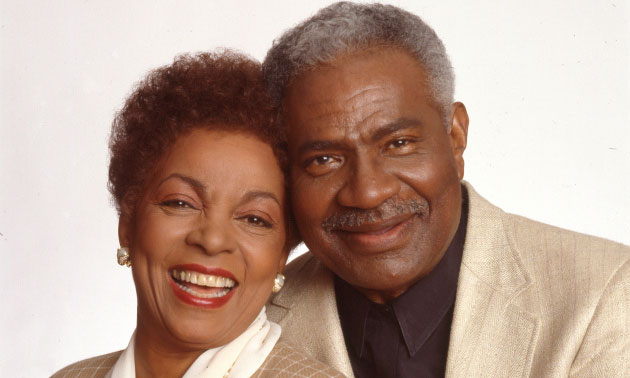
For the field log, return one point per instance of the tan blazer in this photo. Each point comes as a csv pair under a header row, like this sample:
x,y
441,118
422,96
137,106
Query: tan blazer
x,y
532,301
284,361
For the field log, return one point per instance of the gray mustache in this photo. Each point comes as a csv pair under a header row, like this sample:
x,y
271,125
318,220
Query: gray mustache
x,y
390,208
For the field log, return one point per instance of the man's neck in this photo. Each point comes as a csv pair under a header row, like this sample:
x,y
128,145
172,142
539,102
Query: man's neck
x,y
386,296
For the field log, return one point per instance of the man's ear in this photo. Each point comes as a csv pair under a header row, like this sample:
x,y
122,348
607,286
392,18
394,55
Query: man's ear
x,y
459,135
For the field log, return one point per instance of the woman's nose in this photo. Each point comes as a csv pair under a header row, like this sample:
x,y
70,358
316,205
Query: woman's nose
x,y
368,184
213,236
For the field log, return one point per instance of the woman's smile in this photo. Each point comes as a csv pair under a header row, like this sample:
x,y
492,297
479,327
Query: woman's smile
x,y
202,286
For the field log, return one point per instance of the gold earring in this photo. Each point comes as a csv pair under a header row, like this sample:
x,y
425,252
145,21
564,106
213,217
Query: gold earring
x,y
123,256
278,282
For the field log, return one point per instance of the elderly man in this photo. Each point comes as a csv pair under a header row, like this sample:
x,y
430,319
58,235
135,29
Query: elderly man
x,y
411,273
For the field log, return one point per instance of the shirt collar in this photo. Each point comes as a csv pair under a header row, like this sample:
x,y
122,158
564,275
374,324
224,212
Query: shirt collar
x,y
420,309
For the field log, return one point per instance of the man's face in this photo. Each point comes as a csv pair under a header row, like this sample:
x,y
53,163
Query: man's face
x,y
375,174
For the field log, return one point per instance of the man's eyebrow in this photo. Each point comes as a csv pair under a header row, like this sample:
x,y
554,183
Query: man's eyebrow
x,y
319,145
197,185
399,124
255,194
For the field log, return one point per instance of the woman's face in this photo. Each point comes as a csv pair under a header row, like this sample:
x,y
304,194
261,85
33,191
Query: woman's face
x,y
207,238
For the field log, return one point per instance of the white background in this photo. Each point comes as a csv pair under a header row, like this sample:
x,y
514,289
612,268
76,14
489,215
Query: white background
x,y
546,84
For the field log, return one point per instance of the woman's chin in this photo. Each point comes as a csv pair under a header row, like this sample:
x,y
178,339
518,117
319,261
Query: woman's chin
x,y
195,336
192,327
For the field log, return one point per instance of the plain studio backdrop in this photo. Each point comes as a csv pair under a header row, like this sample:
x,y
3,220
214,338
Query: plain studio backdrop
x,y
546,84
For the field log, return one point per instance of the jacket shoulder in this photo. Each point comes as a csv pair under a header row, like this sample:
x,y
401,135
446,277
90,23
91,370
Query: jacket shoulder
x,y
304,275
575,278
526,234
288,361
304,262
96,367
557,243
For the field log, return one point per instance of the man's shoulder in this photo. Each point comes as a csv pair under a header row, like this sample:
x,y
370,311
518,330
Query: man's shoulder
x,y
288,361
570,262
304,261
306,309
92,367
305,270
537,241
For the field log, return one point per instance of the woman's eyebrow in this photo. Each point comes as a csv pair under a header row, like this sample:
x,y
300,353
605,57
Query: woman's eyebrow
x,y
255,194
196,184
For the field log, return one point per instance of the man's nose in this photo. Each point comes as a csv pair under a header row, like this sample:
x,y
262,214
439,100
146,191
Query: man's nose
x,y
212,235
368,185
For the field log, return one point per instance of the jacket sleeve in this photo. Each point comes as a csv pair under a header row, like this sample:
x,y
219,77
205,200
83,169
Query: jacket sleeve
x,y
605,349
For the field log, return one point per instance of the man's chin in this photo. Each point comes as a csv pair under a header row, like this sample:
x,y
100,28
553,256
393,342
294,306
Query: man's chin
x,y
379,276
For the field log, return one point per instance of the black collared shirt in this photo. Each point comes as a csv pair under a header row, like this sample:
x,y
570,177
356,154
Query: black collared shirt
x,y
409,336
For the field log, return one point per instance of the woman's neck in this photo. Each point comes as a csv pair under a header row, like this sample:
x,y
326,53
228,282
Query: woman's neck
x,y
157,357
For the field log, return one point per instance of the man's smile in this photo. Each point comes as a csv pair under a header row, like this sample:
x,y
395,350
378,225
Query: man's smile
x,y
379,236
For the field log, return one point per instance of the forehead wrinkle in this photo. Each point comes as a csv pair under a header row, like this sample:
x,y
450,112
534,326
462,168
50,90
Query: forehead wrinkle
x,y
347,112
363,91
366,97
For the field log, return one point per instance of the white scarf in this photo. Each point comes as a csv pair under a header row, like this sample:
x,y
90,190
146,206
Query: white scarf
x,y
241,356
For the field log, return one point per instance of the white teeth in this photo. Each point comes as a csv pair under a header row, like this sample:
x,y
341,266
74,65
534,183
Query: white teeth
x,y
190,291
202,279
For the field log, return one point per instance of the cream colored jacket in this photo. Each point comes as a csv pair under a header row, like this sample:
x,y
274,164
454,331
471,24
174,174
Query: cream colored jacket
x,y
284,361
532,301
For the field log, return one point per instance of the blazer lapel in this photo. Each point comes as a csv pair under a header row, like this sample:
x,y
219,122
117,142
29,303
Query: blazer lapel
x,y
313,319
490,334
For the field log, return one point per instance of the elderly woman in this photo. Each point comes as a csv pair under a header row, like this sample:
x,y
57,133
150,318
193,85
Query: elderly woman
x,y
197,172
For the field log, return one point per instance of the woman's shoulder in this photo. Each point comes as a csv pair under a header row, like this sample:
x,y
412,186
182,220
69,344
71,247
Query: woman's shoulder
x,y
96,367
286,361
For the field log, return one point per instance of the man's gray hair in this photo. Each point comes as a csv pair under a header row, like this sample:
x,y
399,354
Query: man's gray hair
x,y
344,27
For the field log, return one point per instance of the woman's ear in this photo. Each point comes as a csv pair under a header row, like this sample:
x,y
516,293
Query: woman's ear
x,y
283,259
125,224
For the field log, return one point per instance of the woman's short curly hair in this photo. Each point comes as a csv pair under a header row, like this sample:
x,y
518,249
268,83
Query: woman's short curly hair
x,y
221,90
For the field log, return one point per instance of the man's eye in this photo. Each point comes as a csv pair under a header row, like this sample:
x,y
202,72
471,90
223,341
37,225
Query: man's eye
x,y
323,160
322,164
401,146
399,143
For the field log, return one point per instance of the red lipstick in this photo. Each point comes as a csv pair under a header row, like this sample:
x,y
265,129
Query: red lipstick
x,y
188,298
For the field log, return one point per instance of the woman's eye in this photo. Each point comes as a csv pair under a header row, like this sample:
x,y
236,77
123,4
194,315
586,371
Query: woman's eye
x,y
177,204
257,221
